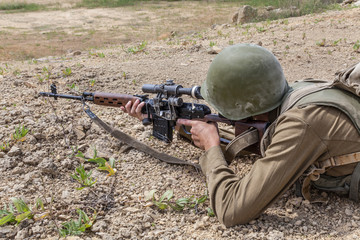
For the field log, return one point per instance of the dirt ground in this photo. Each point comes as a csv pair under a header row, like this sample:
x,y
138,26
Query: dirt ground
x,y
30,35
40,166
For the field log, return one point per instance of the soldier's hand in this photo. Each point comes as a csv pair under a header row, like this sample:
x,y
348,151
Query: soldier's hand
x,y
134,110
205,135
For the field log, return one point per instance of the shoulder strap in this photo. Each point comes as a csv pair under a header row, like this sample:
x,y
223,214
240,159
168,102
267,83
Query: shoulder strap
x,y
241,142
315,172
293,97
125,138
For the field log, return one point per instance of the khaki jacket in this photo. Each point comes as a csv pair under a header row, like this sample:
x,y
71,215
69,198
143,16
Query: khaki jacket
x,y
301,136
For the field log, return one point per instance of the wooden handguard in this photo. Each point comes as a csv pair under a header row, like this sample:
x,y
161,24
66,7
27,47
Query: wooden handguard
x,y
113,99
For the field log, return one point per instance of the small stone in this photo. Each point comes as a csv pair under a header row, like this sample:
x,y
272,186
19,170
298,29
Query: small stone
x,y
125,233
79,132
132,210
18,82
298,223
139,127
99,226
32,160
31,139
252,222
14,151
39,136
22,234
354,224
348,212
37,229
4,230
199,225
76,53
214,50
48,166
296,202
275,235
9,162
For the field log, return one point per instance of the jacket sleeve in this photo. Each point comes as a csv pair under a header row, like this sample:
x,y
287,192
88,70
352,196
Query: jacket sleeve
x,y
295,146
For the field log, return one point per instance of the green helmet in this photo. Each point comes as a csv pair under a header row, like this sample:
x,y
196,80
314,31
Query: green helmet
x,y
244,80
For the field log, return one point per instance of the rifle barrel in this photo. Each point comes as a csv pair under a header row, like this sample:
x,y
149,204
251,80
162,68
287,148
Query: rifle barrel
x,y
48,94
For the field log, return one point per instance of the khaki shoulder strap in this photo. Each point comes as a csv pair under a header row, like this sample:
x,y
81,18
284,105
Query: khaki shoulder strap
x,y
315,172
293,97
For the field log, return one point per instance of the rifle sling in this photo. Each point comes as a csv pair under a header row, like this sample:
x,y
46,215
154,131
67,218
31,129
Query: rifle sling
x,y
125,138
240,142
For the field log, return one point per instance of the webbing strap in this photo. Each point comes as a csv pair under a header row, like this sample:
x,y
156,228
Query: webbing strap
x,y
296,95
241,142
315,172
125,138
354,184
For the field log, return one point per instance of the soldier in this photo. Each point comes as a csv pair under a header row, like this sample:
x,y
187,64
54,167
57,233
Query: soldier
x,y
312,126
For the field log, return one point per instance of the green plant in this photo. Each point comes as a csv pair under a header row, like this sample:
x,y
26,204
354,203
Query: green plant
x,y
210,212
77,227
212,43
5,147
336,42
231,42
74,86
16,72
101,162
165,202
136,49
356,46
101,55
45,75
67,72
92,82
2,71
21,211
322,43
20,133
83,177
260,29
20,6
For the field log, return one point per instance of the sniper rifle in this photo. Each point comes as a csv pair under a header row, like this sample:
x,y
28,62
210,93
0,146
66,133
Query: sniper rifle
x,y
166,107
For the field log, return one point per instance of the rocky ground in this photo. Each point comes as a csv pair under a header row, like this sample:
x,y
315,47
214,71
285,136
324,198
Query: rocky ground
x,y
40,165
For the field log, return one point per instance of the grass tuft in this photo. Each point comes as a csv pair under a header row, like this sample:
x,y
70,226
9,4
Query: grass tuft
x,y
22,7
106,3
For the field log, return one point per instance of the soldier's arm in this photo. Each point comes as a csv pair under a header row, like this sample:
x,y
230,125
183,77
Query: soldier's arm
x,y
295,146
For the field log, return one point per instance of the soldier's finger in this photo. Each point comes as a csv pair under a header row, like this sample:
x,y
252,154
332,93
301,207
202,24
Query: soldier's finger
x,y
133,107
128,106
185,122
139,107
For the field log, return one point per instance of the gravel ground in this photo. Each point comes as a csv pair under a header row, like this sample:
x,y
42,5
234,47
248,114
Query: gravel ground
x,y
40,166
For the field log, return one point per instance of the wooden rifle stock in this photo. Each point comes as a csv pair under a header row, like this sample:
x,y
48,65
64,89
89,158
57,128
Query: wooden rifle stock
x,y
113,99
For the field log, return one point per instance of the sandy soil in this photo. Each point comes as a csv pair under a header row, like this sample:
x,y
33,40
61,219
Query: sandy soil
x,y
36,34
309,46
